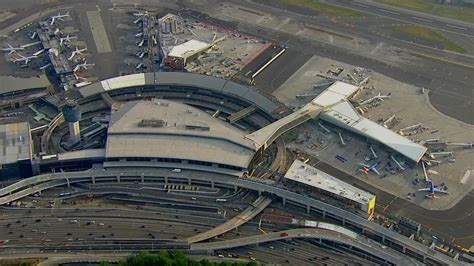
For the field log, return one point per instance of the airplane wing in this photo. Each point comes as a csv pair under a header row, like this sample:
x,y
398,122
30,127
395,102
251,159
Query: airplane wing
x,y
9,46
424,189
376,171
437,190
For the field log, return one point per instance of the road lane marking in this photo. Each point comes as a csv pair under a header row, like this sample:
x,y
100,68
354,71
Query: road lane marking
x,y
457,27
422,19
361,5
388,11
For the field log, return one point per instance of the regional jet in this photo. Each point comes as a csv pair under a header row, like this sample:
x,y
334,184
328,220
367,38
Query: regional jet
x,y
76,52
58,16
432,189
10,49
367,168
24,59
67,39
84,65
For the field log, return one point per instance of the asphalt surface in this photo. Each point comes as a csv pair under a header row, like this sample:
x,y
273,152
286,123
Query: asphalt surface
x,y
450,223
439,23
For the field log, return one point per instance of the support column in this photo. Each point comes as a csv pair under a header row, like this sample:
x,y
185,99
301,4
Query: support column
x,y
142,178
284,201
189,181
404,249
383,239
343,221
259,193
235,188
166,180
118,179
324,215
212,184
308,209
93,180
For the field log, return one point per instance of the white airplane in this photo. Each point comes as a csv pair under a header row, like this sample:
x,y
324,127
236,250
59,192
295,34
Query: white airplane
x,y
24,59
141,55
140,34
58,16
139,66
10,49
76,52
140,44
33,35
57,31
367,168
139,14
45,66
67,39
378,97
137,20
30,44
84,65
432,189
38,52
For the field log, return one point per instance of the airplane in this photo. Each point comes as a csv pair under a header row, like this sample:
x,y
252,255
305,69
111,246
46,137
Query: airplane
x,y
84,65
30,44
57,31
141,55
139,66
58,16
76,52
38,52
33,35
140,44
137,20
67,38
378,97
367,168
45,66
139,14
140,34
10,49
432,189
24,59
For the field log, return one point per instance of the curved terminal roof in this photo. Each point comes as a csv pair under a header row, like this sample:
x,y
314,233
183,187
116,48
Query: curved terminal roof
x,y
344,115
167,129
181,79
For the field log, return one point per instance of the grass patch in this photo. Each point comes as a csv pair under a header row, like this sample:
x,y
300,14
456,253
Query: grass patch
x,y
429,35
325,8
464,13
417,5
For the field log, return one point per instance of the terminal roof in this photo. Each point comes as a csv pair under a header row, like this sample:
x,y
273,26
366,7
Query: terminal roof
x,y
345,116
15,142
188,49
308,175
167,129
12,84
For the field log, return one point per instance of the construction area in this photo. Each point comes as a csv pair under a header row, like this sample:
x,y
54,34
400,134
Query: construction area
x,y
202,48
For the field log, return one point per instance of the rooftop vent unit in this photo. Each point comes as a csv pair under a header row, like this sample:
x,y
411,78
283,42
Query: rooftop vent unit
x,y
151,123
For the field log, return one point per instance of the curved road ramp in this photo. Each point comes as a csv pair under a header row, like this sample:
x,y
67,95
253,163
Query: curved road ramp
x,y
352,240
248,214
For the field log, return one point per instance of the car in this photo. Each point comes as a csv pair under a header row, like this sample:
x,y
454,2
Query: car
x,y
59,220
69,234
34,230
21,236
101,224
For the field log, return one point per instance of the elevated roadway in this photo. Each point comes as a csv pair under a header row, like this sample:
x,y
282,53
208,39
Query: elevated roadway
x,y
386,255
248,214
388,237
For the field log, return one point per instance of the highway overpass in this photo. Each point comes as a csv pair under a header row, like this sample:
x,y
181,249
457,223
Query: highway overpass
x,y
387,237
